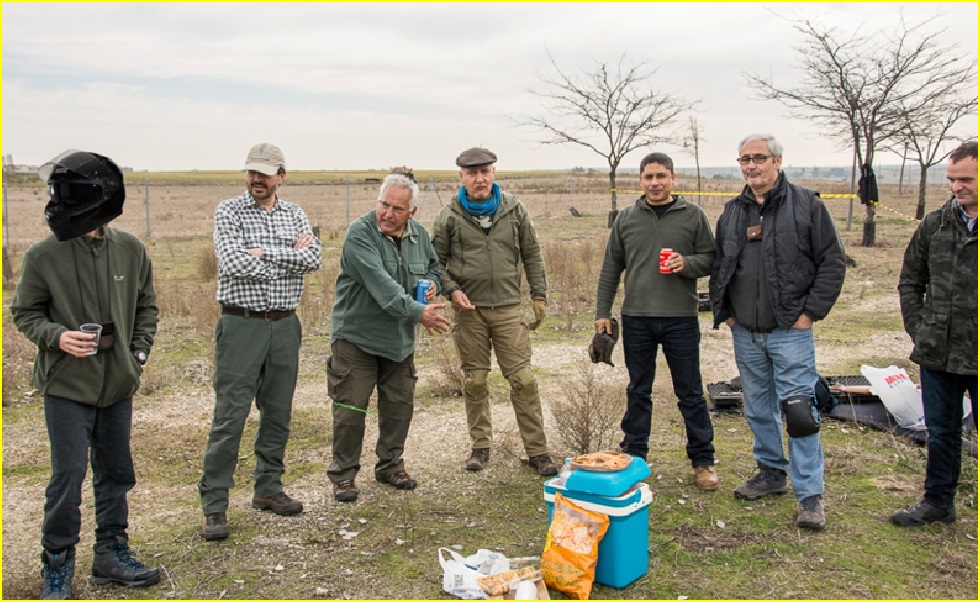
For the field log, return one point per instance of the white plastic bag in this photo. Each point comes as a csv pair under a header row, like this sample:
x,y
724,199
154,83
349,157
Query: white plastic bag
x,y
900,396
459,574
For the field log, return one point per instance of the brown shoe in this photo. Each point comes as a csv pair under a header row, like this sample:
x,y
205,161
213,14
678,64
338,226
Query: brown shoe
x,y
399,480
345,491
280,503
478,458
706,478
215,526
544,465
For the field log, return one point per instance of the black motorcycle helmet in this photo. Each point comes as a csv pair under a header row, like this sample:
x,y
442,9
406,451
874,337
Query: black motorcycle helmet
x,y
87,192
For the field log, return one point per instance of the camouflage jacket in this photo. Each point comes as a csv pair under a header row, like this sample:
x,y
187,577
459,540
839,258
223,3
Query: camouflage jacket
x,y
938,293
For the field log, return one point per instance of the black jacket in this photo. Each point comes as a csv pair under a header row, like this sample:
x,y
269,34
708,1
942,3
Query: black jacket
x,y
804,256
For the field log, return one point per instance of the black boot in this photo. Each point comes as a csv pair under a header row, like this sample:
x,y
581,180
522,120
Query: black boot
x,y
57,571
113,563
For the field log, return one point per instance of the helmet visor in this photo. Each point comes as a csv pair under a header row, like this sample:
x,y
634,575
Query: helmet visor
x,y
75,192
46,170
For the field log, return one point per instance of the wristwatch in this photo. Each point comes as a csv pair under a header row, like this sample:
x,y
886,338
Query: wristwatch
x,y
140,356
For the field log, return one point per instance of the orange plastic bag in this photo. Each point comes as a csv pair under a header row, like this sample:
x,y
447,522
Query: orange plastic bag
x,y
571,549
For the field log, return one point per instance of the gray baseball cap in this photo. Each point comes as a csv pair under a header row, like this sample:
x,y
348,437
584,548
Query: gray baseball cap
x,y
265,158
476,156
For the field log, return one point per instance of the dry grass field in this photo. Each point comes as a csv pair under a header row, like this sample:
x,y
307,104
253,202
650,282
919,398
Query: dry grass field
x,y
702,545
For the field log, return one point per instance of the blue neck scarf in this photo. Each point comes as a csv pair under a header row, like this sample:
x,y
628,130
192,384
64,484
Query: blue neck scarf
x,y
487,207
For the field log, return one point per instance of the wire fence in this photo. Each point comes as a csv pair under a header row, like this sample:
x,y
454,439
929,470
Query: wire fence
x,y
186,209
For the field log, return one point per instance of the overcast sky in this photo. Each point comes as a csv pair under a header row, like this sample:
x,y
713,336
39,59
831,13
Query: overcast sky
x,y
361,85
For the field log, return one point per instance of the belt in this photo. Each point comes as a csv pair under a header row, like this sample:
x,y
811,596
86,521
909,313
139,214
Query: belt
x,y
271,315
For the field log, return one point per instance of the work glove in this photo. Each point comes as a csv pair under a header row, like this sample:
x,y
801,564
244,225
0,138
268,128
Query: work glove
x,y
603,343
539,305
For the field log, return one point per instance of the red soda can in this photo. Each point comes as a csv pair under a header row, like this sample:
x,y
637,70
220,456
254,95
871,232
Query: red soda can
x,y
664,254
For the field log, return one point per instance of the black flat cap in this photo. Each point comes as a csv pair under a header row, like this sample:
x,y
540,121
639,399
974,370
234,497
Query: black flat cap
x,y
473,157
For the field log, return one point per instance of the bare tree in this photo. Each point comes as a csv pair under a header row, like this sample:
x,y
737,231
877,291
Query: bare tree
x,y
927,130
691,143
610,110
855,85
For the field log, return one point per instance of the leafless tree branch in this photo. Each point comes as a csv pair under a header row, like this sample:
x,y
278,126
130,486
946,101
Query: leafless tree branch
x,y
863,86
609,109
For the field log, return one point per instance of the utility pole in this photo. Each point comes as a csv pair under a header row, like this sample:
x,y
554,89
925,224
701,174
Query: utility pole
x,y
901,172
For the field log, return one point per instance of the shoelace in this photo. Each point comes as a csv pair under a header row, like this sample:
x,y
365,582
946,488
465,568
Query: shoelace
x,y
57,577
124,556
811,504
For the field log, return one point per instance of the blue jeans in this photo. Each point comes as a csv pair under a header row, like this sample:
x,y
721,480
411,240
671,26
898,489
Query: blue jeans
x,y
942,403
680,338
79,432
775,366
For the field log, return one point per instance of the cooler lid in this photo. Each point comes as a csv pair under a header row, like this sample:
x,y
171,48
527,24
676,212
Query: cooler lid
x,y
608,483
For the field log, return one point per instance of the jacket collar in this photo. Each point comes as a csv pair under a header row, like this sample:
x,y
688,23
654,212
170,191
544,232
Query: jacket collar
x,y
775,193
410,232
93,242
679,202
952,212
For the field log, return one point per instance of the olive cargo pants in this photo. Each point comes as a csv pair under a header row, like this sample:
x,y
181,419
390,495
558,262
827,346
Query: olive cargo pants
x,y
502,330
352,375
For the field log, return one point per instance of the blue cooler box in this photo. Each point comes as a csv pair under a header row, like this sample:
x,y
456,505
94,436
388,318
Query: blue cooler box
x,y
624,554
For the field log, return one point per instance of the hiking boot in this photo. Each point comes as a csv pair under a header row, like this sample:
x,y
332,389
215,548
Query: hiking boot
x,y
215,526
114,563
345,491
478,458
768,481
811,515
57,571
399,480
544,465
280,503
923,513
706,478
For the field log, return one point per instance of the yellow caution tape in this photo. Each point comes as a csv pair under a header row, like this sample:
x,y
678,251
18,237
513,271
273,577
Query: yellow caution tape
x,y
735,194
898,213
732,194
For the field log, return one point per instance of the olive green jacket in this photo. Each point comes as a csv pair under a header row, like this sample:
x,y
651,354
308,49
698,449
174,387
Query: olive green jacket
x,y
375,308
86,279
487,266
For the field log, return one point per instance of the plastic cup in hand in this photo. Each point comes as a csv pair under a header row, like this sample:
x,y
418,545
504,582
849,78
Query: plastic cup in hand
x,y
92,328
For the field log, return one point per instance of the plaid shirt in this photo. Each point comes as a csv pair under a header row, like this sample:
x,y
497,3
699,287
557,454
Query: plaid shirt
x,y
275,280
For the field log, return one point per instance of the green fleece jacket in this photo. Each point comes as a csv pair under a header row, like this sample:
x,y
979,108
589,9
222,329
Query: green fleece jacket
x,y
634,247
487,266
65,284
375,308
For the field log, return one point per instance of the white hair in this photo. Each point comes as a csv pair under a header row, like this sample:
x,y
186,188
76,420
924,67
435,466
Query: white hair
x,y
402,181
774,146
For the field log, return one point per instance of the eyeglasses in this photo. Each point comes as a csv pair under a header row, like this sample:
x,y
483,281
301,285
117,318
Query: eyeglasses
x,y
757,159
398,210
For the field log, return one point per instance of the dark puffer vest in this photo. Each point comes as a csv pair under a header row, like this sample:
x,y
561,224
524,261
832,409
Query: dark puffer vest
x,y
803,255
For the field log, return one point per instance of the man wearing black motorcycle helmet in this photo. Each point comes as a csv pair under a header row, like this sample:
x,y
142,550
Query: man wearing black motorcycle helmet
x,y
87,273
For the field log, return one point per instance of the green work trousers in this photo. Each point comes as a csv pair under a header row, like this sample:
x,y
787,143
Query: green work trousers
x,y
502,330
352,375
253,359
